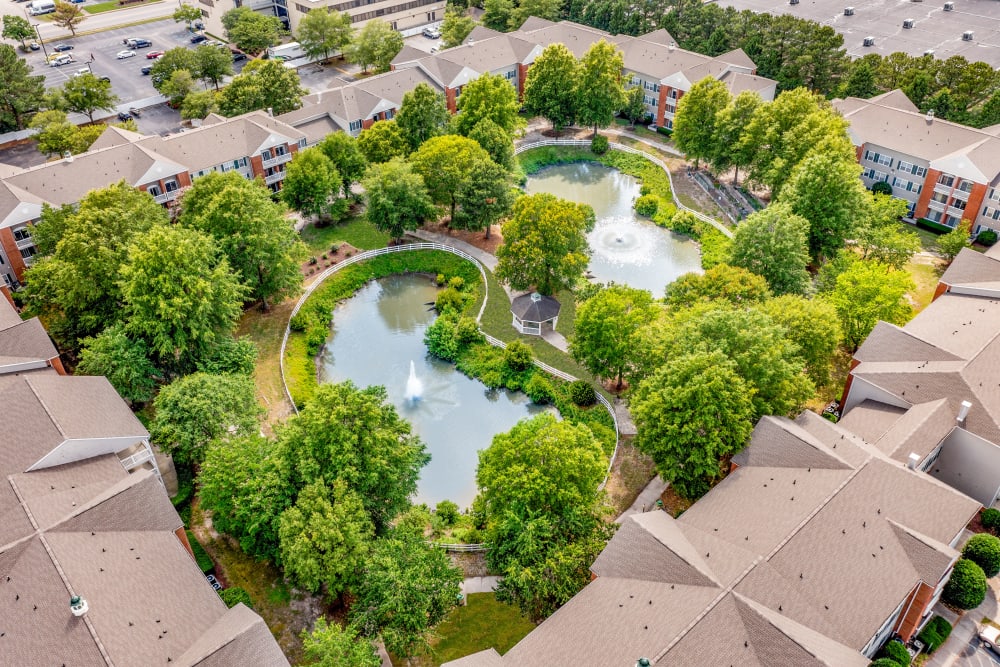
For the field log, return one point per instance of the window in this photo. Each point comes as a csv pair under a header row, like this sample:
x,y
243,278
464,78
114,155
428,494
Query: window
x,y
673,94
906,186
266,154
355,125
389,114
28,253
22,234
939,198
154,190
965,186
171,186
302,142
959,204
946,180
934,216
995,194
510,74
992,213
950,221
875,175
911,168
651,101
877,158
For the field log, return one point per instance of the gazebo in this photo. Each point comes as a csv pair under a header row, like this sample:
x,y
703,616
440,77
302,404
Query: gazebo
x,y
533,311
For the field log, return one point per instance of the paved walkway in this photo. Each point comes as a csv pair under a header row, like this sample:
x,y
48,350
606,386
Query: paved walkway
x,y
488,260
555,339
472,585
647,498
961,648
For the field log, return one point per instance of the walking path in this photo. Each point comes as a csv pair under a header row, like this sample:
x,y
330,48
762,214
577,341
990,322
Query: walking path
x,y
646,499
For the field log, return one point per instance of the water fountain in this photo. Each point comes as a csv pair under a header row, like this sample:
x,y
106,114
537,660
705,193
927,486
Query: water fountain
x,y
414,387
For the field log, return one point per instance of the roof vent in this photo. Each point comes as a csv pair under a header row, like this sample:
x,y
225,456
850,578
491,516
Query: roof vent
x,y
672,46
929,52
967,36
949,6
270,111
848,11
644,662
78,606
471,42
908,23
912,461
869,41
930,115
964,411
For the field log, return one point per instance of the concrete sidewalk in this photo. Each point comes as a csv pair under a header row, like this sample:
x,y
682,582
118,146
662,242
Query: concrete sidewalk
x,y
647,498
472,585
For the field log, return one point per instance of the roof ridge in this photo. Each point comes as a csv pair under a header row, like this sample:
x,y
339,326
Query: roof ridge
x,y
27,381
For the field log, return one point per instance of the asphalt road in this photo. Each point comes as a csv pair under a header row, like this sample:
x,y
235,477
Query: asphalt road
x,y
100,21
974,655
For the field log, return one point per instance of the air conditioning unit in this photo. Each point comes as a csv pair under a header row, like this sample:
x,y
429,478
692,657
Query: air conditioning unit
x,y
949,6
929,52
869,41
848,11
967,36
908,23
793,2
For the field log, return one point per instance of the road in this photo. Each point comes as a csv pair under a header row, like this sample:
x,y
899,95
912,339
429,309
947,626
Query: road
x,y
95,22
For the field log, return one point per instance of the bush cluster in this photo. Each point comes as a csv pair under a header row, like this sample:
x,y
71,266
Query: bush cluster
x,y
234,595
987,237
450,334
990,518
582,393
984,551
882,188
647,205
966,589
539,389
599,144
518,356
450,300
934,633
200,555
896,652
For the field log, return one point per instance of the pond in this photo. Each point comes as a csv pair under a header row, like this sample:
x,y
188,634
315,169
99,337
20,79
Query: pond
x,y
626,249
375,337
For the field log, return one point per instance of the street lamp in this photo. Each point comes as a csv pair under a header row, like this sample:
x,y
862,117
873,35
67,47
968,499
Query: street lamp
x,y
44,51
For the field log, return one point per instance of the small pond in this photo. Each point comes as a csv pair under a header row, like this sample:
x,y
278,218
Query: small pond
x,y
626,248
375,336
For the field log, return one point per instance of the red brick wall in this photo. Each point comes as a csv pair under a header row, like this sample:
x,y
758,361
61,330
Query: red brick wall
x,y
661,107
257,166
182,536
941,289
917,602
522,72
925,195
975,204
13,254
56,363
847,384
451,99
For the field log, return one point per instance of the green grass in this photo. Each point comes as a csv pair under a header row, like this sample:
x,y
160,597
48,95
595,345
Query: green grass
x,y
357,231
926,278
113,5
482,624
928,239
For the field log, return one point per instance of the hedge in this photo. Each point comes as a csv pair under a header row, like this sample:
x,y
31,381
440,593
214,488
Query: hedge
x,y
200,555
990,519
966,589
895,651
984,551
233,596
935,633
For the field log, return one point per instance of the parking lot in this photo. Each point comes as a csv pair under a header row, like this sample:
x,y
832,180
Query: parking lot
x,y
974,655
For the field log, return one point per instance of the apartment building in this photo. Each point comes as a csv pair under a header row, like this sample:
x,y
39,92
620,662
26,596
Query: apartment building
x,y
255,145
945,171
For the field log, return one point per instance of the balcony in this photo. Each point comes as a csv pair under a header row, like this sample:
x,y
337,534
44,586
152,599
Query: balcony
x,y
274,178
278,159
961,194
943,189
166,196
956,212
25,243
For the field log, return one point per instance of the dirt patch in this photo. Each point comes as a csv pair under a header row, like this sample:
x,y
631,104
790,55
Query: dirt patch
x,y
630,474
689,192
321,261
472,564
673,503
477,239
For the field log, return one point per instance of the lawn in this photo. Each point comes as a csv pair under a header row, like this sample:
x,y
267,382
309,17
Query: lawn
x,y
356,230
113,5
926,272
482,624
266,330
928,239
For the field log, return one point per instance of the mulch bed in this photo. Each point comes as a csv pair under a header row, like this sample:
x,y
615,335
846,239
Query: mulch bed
x,y
477,239
308,268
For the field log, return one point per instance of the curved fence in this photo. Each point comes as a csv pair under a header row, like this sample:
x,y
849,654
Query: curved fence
x,y
628,149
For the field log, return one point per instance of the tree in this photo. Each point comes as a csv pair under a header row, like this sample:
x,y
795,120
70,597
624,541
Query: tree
x,y
544,9
179,295
953,242
731,150
76,290
261,246
984,551
488,96
199,104
721,282
324,538
397,197
606,327
867,292
407,587
342,150
861,81
357,436
56,135
599,85
695,129
966,589
456,27
881,236
86,94
50,227
422,115
312,184
328,645
68,15
197,409
382,142
494,141
263,84
187,14
550,88
545,244
17,28
23,92
497,14
178,86
773,243
251,31
445,164
635,104
375,44
813,325
691,414
172,60
123,361
325,33
485,198
212,64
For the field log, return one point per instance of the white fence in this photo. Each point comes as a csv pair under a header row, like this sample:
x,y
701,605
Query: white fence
x,y
460,548
628,149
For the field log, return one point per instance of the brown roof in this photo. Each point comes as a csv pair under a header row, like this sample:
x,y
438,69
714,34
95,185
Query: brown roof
x,y
239,637
971,267
871,419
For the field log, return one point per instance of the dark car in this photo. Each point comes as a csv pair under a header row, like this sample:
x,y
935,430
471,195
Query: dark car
x,y
105,78
239,56
123,116
147,69
62,47
198,39
141,44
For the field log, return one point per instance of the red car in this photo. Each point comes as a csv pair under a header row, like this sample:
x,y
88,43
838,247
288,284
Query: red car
x,y
152,55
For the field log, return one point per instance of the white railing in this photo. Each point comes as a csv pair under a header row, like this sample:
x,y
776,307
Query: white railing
x,y
628,149
24,243
460,548
278,159
274,178
165,197
496,342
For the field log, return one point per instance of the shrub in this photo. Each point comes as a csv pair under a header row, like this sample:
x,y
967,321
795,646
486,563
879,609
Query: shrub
x,y
884,662
987,237
441,338
469,535
664,131
200,555
456,282
882,188
599,144
335,248
440,280
449,300
984,551
467,332
647,205
934,633
684,222
539,389
233,596
895,651
966,589
447,511
517,356
582,393
990,519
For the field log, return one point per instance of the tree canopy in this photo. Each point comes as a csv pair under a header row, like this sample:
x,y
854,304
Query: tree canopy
x,y
606,328
422,115
397,197
68,15
263,84
600,86
813,325
382,142
342,150
325,33
22,91
696,129
550,88
721,282
312,184
489,96
125,362
773,243
456,27
329,645
485,198
251,31
445,163
86,94
375,44
867,292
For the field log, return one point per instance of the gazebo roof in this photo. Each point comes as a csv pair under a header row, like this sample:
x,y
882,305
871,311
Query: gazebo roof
x,y
534,307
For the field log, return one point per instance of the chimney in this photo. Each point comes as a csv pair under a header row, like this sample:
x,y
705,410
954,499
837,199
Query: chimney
x,y
963,412
912,461
78,606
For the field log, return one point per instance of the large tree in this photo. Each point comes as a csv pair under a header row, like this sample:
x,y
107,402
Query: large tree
x,y
545,243
881,236
212,64
125,362
485,198
382,142
329,645
251,31
178,87
544,9
422,115
57,135
494,141
691,414
867,292
445,163
199,104
23,92
497,14
606,328
322,34
342,150
488,96
397,198
250,230
17,28
375,44
696,118
186,14
193,411
550,88
263,84
68,15
86,94
355,435
179,295
814,326
312,184
721,282
731,151
172,60
773,243
600,85
324,538
635,104
456,27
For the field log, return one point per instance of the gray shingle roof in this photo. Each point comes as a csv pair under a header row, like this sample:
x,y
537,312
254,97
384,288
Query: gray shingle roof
x,y
535,307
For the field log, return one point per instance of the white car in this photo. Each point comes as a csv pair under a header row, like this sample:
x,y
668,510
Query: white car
x,y
989,635
432,33
122,55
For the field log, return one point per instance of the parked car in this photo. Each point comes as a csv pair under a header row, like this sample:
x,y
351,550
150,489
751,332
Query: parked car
x,y
104,78
239,56
122,55
60,59
138,43
198,39
34,46
81,72
153,55
62,47
989,635
124,116
432,33
147,69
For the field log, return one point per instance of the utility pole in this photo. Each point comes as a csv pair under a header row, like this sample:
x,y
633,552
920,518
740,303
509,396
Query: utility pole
x,y
44,51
